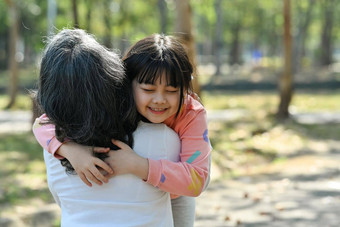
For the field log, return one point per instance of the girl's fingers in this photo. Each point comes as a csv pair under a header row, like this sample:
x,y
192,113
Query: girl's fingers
x,y
101,149
98,175
120,144
109,176
84,179
92,178
103,165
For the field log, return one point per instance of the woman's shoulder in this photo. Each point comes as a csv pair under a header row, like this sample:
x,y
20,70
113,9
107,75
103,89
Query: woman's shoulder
x,y
153,129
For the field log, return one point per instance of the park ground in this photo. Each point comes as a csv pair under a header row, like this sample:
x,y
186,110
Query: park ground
x,y
300,186
264,172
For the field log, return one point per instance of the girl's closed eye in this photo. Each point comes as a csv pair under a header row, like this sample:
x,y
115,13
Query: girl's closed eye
x,y
172,91
147,88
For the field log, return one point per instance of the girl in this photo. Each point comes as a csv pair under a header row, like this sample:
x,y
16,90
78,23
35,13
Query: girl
x,y
160,74
82,87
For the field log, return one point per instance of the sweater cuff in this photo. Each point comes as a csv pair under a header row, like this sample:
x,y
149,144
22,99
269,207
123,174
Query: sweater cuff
x,y
53,146
154,172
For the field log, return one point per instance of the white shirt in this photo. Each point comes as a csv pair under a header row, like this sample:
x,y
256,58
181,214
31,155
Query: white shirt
x,y
126,200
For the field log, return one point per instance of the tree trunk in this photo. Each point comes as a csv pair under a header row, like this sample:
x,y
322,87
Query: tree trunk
x,y
124,43
235,52
75,13
273,38
218,37
12,63
163,15
89,4
108,25
184,29
285,83
51,15
326,36
300,41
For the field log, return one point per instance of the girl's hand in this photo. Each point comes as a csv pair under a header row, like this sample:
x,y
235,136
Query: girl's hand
x,y
84,163
126,161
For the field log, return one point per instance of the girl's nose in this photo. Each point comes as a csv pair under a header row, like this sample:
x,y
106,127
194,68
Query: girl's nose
x,y
159,99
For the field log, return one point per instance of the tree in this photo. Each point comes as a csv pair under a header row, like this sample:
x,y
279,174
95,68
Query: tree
x,y
285,83
12,62
75,13
326,35
89,4
218,37
183,28
163,15
236,22
304,18
51,15
107,22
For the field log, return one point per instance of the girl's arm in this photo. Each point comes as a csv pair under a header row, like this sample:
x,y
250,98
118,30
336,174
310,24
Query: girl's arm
x,y
80,157
45,135
189,176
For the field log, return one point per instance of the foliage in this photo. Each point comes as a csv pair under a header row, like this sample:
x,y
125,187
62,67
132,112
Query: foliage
x,y
260,23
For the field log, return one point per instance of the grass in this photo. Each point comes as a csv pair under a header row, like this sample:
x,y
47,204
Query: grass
x,y
258,138
23,102
22,172
268,101
27,77
27,81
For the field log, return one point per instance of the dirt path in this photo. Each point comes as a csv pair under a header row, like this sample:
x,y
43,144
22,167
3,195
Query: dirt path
x,y
15,121
302,191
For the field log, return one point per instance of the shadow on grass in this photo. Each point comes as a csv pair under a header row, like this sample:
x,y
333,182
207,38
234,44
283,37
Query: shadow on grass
x,y
23,144
22,170
14,195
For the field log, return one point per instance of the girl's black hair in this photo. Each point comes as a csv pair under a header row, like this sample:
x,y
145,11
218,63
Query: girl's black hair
x,y
158,55
84,91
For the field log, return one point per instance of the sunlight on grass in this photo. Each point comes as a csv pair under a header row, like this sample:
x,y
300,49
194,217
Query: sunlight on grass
x,y
226,100
22,175
269,101
251,143
305,102
23,102
28,77
258,139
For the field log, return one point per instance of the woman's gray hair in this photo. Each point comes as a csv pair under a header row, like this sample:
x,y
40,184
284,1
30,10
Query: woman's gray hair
x,y
84,91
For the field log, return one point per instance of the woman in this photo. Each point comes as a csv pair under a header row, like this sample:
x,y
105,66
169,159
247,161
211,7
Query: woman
x,y
83,92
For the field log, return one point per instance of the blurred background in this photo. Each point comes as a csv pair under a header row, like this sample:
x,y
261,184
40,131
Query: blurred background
x,y
267,71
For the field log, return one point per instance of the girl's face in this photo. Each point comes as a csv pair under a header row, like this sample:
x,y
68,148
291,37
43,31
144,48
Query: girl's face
x,y
156,102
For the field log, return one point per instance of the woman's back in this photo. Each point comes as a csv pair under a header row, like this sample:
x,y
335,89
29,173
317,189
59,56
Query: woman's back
x,y
126,200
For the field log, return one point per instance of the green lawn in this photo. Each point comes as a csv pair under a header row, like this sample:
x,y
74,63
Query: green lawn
x,y
23,102
22,175
258,138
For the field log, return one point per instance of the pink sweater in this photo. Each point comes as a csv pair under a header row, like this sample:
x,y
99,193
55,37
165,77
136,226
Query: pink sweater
x,y
186,177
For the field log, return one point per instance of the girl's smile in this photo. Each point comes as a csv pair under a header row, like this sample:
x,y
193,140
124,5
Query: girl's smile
x,y
156,102
157,110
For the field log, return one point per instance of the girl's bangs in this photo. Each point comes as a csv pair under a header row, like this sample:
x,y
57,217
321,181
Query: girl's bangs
x,y
156,70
